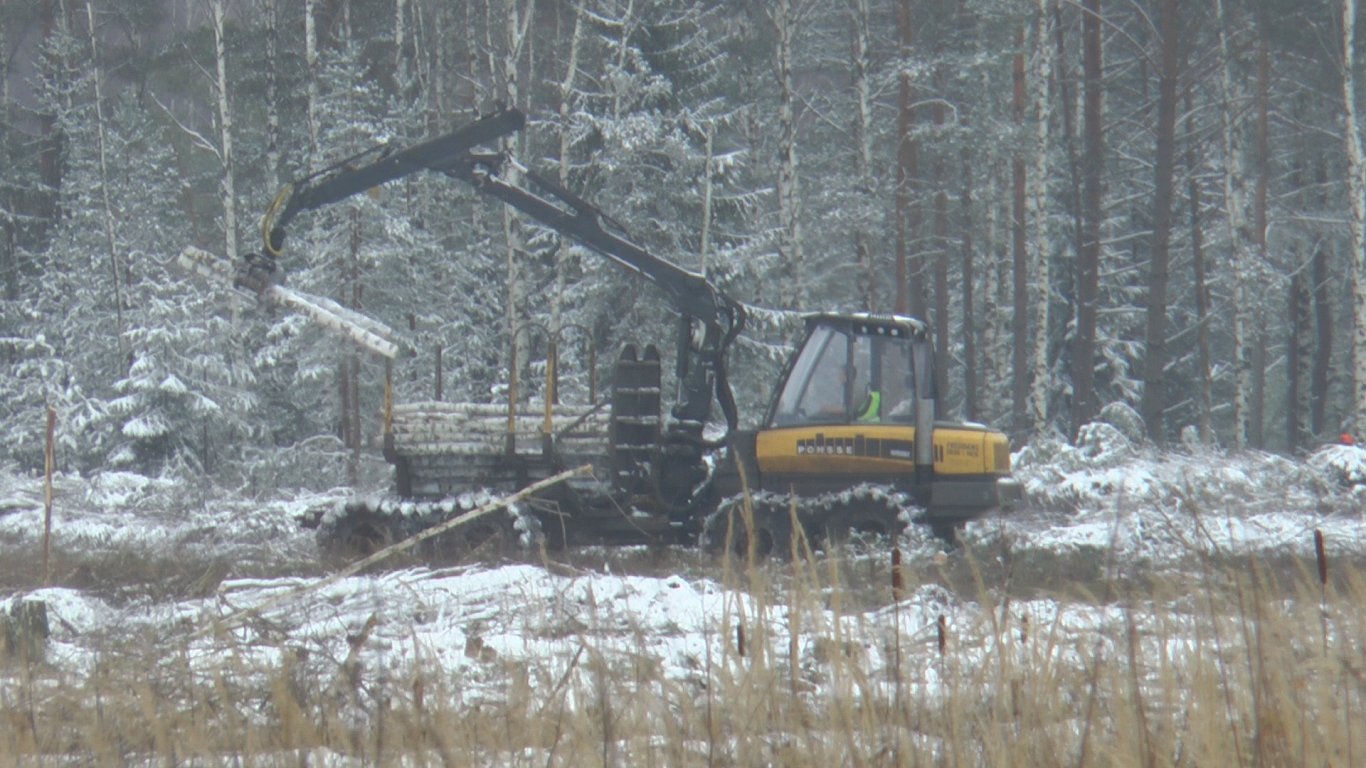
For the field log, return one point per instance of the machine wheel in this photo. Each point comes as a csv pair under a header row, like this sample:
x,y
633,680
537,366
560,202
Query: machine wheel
x,y
882,525
862,517
357,532
771,529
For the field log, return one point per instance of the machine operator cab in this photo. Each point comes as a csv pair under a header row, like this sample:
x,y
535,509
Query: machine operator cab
x,y
856,369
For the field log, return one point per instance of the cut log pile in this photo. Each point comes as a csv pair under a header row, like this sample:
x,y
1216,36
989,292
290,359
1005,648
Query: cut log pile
x,y
465,429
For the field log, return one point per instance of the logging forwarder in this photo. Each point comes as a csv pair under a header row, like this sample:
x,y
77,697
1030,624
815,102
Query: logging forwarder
x,y
817,449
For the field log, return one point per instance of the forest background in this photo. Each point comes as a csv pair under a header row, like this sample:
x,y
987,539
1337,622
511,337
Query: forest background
x,y
1079,196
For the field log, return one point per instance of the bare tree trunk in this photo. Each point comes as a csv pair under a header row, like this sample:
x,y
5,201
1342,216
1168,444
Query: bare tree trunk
x,y
1069,129
1257,426
400,41
1154,404
1323,324
517,20
996,393
1356,221
1020,259
1088,267
1237,225
863,150
311,62
789,182
50,169
1037,202
111,239
271,12
970,320
941,253
9,262
1204,376
1296,396
907,168
566,97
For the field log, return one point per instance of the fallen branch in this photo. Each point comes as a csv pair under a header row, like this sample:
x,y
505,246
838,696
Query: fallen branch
x,y
232,619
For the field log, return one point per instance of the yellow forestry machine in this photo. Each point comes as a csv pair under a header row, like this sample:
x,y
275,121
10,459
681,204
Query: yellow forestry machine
x,y
850,440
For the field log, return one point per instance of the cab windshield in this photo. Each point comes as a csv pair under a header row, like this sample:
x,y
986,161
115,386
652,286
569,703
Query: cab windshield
x,y
844,376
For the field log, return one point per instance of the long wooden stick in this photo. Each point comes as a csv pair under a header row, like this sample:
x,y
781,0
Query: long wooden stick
x,y
49,465
408,543
365,331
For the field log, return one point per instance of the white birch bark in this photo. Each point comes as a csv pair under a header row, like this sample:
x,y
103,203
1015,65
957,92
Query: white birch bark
x,y
1036,198
226,187
566,146
995,356
863,149
271,12
400,61
111,238
311,62
789,188
1236,220
1356,188
517,20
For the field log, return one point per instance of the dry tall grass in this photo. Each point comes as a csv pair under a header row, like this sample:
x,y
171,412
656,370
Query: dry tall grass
x,y
1237,663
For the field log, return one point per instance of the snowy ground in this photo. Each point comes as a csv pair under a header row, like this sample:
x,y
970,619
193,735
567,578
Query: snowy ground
x,y
1104,505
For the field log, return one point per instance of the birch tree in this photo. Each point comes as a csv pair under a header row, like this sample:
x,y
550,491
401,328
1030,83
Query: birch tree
x,y
793,293
1236,229
1019,261
1356,220
225,158
863,147
1037,201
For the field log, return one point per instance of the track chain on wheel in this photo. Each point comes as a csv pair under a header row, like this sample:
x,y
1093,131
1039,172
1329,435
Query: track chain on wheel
x,y
362,527
863,512
768,523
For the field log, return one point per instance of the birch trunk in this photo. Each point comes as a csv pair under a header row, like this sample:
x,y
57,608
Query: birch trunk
x,y
1037,201
516,21
400,60
907,162
970,320
1237,224
1356,188
226,186
271,12
1019,321
863,150
111,239
993,353
566,98
311,62
789,186
941,250
1262,263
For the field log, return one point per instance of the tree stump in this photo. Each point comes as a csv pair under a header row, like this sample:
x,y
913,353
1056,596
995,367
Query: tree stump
x,y
24,631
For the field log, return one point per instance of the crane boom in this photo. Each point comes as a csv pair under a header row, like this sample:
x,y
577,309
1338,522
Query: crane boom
x,y
710,320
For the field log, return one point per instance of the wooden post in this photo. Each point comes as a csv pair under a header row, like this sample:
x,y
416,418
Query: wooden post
x,y
49,462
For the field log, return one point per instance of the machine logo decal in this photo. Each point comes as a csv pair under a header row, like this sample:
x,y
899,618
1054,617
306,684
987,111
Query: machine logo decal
x,y
858,445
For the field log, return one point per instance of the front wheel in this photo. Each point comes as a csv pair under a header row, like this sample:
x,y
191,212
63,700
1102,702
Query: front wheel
x,y
758,522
